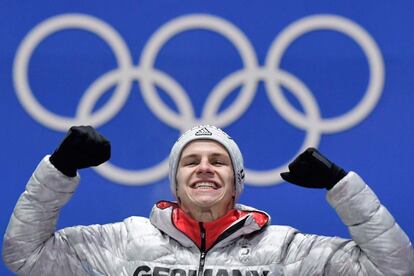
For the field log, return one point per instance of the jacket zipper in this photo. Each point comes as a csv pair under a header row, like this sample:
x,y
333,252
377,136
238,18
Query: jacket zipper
x,y
202,250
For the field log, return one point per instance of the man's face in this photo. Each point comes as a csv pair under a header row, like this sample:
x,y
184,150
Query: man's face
x,y
205,178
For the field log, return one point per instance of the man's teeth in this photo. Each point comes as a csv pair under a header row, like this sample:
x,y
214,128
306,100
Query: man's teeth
x,y
205,185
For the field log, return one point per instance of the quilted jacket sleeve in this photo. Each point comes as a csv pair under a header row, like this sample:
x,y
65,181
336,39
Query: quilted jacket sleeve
x,y
32,247
379,246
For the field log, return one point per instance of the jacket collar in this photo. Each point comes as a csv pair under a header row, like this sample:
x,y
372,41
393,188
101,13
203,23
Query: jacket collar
x,y
248,220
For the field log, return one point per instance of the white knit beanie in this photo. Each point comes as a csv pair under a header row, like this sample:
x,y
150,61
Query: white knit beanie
x,y
204,132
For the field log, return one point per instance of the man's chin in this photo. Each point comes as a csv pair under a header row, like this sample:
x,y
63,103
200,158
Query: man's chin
x,y
206,202
206,199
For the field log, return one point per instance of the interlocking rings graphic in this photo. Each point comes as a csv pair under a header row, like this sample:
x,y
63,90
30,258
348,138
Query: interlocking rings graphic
x,y
247,78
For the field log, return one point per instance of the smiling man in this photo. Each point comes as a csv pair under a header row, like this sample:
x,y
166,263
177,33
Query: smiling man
x,y
205,232
206,181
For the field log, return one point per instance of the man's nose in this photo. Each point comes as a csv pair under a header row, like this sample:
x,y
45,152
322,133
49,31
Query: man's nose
x,y
204,166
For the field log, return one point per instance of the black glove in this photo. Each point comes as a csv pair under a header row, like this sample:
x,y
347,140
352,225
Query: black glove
x,y
82,147
312,170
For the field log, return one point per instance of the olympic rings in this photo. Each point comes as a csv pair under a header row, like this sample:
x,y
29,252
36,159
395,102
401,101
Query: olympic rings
x,y
248,78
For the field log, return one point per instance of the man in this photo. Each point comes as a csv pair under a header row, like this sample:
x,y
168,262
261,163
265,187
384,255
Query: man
x,y
205,232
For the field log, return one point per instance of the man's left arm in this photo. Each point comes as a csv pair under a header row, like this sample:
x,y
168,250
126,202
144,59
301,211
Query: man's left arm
x,y
382,245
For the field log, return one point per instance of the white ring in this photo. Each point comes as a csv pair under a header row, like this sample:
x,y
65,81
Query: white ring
x,y
376,66
184,23
40,32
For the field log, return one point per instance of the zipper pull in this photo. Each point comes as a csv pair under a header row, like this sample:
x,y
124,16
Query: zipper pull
x,y
201,264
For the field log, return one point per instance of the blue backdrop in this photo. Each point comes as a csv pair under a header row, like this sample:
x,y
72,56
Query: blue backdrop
x,y
278,76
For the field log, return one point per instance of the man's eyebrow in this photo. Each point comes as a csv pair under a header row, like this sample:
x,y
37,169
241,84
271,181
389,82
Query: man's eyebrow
x,y
219,155
191,155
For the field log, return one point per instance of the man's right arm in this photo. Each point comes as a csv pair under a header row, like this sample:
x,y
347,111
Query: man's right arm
x,y
31,242
33,223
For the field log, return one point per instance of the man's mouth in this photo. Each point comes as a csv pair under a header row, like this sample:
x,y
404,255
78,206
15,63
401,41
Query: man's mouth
x,y
205,186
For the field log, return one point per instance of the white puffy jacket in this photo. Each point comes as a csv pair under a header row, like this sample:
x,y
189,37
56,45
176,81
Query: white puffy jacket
x,y
141,246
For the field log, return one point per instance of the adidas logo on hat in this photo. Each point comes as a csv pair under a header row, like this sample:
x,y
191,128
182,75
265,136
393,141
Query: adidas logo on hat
x,y
203,132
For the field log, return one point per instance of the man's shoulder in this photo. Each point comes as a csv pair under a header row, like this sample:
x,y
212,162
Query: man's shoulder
x,y
281,230
137,221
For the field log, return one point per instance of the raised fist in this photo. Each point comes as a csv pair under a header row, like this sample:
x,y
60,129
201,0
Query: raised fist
x,y
312,170
82,147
